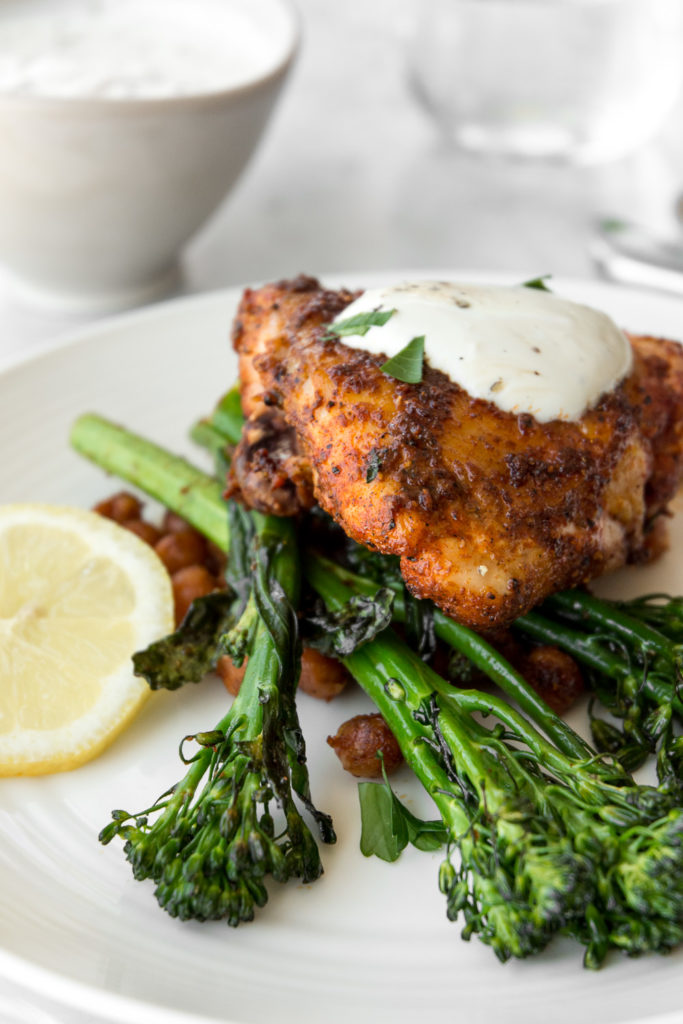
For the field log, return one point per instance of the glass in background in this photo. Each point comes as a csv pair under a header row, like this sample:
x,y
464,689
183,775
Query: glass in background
x,y
579,80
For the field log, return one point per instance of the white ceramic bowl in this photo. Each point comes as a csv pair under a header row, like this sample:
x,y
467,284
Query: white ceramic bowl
x,y
99,196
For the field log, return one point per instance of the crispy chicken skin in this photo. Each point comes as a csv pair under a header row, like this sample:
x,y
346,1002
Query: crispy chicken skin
x,y
489,511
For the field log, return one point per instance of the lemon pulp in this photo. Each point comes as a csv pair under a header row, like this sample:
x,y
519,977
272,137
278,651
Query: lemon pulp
x,y
78,595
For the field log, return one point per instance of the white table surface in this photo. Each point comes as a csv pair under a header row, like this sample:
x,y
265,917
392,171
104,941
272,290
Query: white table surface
x,y
352,176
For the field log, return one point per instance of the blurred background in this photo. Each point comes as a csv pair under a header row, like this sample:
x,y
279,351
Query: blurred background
x,y
388,148
356,173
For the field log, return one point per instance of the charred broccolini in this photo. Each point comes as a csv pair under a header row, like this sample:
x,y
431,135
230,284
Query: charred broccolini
x,y
550,836
211,842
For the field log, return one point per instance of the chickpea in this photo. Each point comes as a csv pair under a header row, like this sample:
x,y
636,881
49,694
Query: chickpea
x,y
358,742
189,583
231,675
145,531
555,676
180,549
120,507
173,523
215,559
321,677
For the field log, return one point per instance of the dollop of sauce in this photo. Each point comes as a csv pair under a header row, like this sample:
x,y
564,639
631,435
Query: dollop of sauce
x,y
128,49
524,349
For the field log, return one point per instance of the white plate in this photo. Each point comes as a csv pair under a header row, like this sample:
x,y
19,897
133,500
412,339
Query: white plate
x,y
369,940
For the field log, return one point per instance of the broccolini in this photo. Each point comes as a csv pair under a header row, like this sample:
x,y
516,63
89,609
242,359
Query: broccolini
x,y
544,835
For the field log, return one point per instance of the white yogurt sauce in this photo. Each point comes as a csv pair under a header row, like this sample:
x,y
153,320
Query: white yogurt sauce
x,y
125,49
523,349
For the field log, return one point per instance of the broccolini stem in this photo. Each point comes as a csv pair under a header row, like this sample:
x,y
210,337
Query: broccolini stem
x,y
169,478
597,656
661,611
336,594
584,647
219,432
409,734
227,418
206,436
477,650
499,670
581,607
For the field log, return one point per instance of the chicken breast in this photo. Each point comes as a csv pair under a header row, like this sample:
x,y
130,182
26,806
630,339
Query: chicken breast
x,y
488,511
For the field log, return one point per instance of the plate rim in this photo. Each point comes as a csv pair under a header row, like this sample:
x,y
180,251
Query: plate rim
x,y
74,336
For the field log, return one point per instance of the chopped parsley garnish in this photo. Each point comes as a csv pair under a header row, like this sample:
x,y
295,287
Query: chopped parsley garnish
x,y
360,324
539,283
406,365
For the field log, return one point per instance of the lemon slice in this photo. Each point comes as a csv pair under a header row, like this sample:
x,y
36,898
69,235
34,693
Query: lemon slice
x,y
78,596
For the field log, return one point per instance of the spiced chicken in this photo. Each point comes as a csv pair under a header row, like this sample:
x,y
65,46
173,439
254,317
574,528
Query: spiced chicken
x,y
489,510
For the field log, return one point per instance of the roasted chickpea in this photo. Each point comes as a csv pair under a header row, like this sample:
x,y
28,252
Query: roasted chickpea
x,y
180,549
555,676
173,523
358,743
231,675
145,531
119,507
321,677
215,559
188,584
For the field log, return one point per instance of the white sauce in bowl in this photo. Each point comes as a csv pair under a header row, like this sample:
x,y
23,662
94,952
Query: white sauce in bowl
x,y
523,349
130,49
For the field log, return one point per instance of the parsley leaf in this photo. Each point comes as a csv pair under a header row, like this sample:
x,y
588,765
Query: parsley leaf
x,y
359,324
387,826
613,224
539,283
406,365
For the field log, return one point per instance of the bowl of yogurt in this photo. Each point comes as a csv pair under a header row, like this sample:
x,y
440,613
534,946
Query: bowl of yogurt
x,y
125,123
